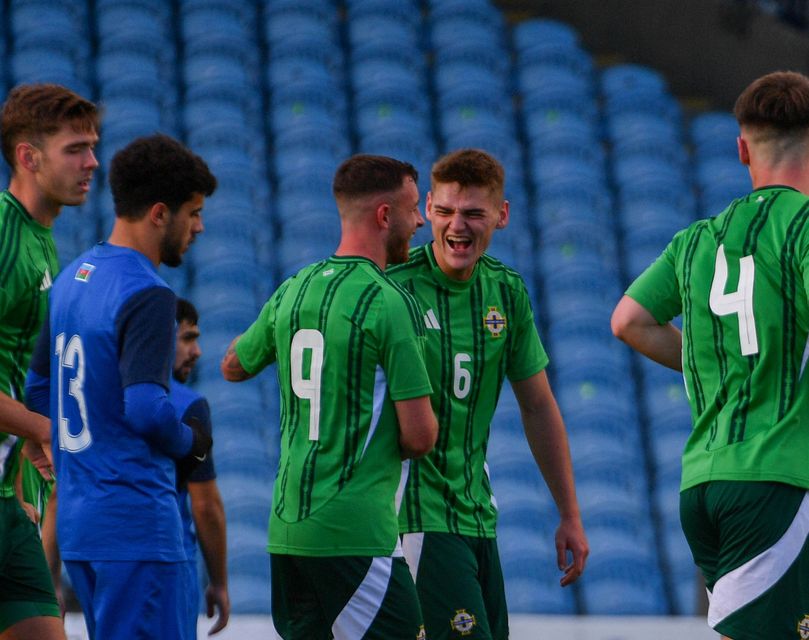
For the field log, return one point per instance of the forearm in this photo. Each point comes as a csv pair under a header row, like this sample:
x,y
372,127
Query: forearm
x,y
150,414
19,421
49,542
547,439
209,519
635,326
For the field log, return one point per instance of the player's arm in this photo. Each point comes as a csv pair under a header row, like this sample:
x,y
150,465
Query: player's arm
x,y
51,547
232,369
209,519
547,439
145,330
418,428
636,326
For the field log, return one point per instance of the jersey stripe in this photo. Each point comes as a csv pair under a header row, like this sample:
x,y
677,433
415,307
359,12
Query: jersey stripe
x,y
688,262
478,360
738,420
10,250
356,349
789,366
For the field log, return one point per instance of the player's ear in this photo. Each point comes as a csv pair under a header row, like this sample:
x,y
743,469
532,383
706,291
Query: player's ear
x,y
744,150
383,215
159,214
428,205
503,214
27,156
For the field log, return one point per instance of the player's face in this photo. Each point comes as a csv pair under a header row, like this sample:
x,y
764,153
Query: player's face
x,y
187,351
182,227
463,221
405,218
64,165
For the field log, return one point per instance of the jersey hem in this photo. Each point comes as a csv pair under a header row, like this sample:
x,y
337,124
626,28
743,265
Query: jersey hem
x,y
801,483
332,552
469,533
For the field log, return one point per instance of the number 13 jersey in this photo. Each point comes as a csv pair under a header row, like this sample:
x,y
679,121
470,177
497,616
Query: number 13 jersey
x,y
740,281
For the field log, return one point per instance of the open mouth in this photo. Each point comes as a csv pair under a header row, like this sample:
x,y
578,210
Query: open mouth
x,y
458,243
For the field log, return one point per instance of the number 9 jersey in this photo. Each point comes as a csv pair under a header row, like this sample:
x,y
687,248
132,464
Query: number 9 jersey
x,y
740,281
348,343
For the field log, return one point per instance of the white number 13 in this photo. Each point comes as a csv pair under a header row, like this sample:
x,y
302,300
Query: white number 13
x,y
71,358
739,302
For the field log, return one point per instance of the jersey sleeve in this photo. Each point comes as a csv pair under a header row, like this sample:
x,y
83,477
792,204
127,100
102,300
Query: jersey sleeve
x,y
255,348
527,355
145,329
200,410
657,289
402,348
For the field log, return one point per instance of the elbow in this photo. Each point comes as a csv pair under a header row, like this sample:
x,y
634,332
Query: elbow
x,y
421,441
619,325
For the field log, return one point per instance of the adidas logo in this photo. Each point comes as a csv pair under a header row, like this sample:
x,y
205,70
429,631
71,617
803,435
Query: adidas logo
x,y
431,321
47,281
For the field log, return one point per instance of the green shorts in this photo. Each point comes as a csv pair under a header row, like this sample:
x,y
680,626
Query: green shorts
x,y
345,597
751,541
26,588
460,585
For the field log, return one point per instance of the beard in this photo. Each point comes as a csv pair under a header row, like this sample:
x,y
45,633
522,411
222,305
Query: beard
x,y
171,247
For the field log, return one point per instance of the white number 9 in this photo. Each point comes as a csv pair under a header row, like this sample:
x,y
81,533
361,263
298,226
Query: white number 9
x,y
308,388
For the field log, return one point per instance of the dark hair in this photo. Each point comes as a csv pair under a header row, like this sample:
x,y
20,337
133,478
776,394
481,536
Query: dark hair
x,y
470,168
153,169
186,312
779,100
364,174
32,111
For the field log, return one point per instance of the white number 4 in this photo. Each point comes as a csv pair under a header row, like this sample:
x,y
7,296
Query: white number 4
x,y
739,302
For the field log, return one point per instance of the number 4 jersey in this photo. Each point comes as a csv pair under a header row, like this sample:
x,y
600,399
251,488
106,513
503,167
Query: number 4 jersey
x,y
740,281
348,342
478,332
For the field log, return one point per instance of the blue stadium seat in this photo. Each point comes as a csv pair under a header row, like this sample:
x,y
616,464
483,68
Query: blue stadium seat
x,y
481,10
298,28
714,135
527,33
322,9
454,73
249,595
402,10
525,503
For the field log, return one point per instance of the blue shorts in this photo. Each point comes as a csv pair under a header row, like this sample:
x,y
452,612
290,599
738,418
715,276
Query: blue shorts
x,y
191,592
131,600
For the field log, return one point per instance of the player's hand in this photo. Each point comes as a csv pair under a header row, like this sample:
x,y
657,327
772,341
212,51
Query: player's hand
x,y
200,446
31,512
40,457
570,537
217,598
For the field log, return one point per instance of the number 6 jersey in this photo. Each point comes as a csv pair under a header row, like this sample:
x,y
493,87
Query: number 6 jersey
x,y
478,332
348,342
740,280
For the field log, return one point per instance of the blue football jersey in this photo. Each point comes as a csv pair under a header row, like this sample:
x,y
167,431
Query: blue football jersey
x,y
111,325
188,403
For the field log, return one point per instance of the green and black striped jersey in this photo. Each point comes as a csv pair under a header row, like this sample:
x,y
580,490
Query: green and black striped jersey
x,y
478,332
348,343
740,280
28,265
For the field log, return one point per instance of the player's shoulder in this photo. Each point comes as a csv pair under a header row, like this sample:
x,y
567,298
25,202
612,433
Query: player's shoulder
x,y
491,268
417,262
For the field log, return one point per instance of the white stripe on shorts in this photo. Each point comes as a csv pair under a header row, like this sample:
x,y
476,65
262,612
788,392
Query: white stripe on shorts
x,y
412,544
359,613
746,583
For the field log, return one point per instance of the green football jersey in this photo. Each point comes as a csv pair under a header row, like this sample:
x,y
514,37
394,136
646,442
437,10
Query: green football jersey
x,y
348,343
478,332
740,280
28,265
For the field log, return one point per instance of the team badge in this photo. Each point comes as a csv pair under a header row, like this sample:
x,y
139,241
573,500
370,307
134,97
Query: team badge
x,y
803,627
463,622
84,272
494,321
422,634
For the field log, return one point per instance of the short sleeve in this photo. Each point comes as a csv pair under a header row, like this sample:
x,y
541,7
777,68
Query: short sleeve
x,y
527,356
255,348
145,329
657,289
402,345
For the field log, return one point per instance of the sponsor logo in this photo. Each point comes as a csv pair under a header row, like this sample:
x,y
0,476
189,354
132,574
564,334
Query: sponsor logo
x,y
463,622
803,627
431,321
84,272
47,281
494,321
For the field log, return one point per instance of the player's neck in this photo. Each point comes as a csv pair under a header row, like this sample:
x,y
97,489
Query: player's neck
x,y
41,209
133,235
360,244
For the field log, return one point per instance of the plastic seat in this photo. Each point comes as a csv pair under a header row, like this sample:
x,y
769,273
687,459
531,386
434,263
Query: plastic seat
x,y
300,27
249,595
527,33
481,10
632,78
714,135
529,595
525,503
460,72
